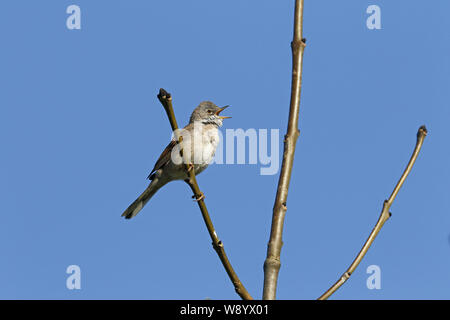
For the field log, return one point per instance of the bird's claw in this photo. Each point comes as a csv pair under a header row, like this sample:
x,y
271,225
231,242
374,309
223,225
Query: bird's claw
x,y
199,197
190,166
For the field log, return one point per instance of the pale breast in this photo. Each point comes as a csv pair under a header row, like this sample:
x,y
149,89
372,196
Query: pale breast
x,y
204,151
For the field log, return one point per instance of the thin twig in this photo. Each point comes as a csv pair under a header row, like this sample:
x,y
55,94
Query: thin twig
x,y
272,263
384,216
166,100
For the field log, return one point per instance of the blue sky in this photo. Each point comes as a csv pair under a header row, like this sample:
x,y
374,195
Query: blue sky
x,y
81,127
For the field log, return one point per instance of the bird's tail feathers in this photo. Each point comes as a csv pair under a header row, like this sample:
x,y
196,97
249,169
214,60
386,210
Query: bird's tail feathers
x,y
141,201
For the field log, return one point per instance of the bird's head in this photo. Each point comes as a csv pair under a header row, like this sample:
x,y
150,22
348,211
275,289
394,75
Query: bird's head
x,y
208,113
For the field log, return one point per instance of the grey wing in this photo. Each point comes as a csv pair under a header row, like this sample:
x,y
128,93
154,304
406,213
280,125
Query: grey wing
x,y
163,159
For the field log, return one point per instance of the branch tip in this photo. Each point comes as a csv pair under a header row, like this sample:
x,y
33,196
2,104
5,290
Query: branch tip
x,y
422,131
163,94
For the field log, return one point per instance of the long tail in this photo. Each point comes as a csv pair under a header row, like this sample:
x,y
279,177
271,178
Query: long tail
x,y
140,202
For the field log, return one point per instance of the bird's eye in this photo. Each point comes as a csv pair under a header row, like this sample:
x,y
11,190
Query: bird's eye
x,y
209,111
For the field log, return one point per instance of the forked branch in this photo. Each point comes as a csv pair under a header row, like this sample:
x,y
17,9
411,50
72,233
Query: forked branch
x,y
384,216
166,100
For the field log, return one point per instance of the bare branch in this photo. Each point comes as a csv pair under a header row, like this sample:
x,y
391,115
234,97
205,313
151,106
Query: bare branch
x,y
166,100
384,216
272,263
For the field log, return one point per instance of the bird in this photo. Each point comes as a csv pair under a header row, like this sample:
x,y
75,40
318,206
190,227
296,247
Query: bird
x,y
200,139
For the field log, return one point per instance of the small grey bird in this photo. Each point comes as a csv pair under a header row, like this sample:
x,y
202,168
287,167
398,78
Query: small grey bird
x,y
200,140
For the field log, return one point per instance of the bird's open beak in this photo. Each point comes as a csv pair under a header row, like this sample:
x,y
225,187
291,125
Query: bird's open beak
x,y
220,110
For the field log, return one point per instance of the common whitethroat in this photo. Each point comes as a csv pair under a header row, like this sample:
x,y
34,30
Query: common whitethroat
x,y
199,143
